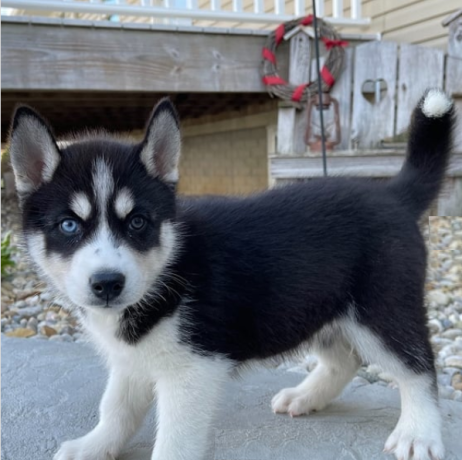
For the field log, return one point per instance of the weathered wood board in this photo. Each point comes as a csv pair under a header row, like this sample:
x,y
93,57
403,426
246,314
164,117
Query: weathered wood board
x,y
50,57
373,122
342,91
454,88
292,121
365,165
455,43
420,68
450,201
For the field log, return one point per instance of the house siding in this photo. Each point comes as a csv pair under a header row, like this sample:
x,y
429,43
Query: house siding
x,y
233,162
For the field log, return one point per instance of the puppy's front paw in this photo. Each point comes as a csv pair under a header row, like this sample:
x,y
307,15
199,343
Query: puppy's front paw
x,y
407,444
82,449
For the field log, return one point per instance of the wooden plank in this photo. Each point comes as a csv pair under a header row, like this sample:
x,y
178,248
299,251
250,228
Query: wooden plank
x,y
450,201
454,88
291,120
299,73
455,43
338,165
45,57
342,91
285,130
373,122
419,69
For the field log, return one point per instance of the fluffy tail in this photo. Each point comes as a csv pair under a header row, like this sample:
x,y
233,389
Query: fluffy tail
x,y
428,151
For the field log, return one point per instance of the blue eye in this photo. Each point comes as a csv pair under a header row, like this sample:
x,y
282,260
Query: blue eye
x,y
69,226
137,222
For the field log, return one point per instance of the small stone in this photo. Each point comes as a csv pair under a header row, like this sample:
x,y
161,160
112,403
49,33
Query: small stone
x,y
68,338
454,361
371,377
51,316
452,333
438,297
32,324
435,326
447,323
20,332
48,331
56,338
457,395
20,304
23,322
27,312
19,281
439,343
360,381
456,382
67,330
449,350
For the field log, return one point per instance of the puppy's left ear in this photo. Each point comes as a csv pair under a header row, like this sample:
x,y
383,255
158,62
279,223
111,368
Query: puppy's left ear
x,y
161,147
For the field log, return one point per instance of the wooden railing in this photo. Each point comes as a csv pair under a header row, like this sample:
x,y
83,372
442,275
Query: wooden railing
x,y
189,11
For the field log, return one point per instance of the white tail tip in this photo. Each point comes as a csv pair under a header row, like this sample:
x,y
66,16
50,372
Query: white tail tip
x,y
436,104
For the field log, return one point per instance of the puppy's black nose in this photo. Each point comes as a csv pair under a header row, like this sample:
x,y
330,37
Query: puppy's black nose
x,y
107,286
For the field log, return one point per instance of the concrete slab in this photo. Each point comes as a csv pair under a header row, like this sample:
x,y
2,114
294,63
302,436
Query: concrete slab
x,y
51,391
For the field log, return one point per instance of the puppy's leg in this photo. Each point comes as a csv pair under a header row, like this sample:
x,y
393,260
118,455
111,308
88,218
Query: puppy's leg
x,y
122,409
406,355
186,401
338,363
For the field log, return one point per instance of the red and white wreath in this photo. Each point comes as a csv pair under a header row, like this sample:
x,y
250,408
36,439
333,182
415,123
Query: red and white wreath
x,y
333,64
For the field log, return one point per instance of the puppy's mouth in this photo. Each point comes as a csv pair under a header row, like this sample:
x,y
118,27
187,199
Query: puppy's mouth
x,y
108,305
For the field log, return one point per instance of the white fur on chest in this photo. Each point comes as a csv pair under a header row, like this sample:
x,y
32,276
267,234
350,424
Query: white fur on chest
x,y
158,352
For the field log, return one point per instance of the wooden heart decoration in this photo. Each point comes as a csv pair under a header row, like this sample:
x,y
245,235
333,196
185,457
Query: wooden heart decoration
x,y
374,91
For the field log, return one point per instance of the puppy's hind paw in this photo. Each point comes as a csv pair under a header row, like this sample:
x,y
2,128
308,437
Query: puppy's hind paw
x,y
296,402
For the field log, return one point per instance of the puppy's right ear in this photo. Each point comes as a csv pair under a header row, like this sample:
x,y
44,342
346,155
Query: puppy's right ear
x,y
161,147
33,151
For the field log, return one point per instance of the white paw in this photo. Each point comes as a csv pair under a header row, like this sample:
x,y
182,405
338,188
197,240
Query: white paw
x,y
296,402
408,444
82,449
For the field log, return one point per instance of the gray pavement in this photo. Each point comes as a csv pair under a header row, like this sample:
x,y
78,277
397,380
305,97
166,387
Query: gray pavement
x,y
51,391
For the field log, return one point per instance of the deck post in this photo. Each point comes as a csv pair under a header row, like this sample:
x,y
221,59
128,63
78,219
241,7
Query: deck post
x,y
291,115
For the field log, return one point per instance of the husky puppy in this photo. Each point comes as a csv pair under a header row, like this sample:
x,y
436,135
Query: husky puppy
x,y
176,294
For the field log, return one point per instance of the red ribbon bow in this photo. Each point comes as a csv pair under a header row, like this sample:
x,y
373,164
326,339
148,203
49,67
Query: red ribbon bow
x,y
329,44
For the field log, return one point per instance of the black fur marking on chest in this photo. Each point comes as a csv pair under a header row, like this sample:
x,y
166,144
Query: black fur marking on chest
x,y
138,320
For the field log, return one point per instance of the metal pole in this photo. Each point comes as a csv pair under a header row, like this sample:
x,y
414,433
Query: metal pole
x,y
318,69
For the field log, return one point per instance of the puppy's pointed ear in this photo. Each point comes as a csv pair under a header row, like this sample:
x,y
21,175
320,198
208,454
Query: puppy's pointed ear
x,y
33,151
161,147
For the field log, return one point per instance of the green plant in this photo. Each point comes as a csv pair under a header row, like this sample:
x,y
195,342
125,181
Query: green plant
x,y
7,252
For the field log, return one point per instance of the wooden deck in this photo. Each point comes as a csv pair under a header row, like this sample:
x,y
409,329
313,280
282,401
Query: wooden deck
x,y
52,54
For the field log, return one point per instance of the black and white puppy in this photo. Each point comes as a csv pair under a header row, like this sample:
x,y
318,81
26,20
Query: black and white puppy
x,y
176,294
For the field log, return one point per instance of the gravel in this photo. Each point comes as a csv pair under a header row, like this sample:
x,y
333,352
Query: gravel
x,y
30,311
